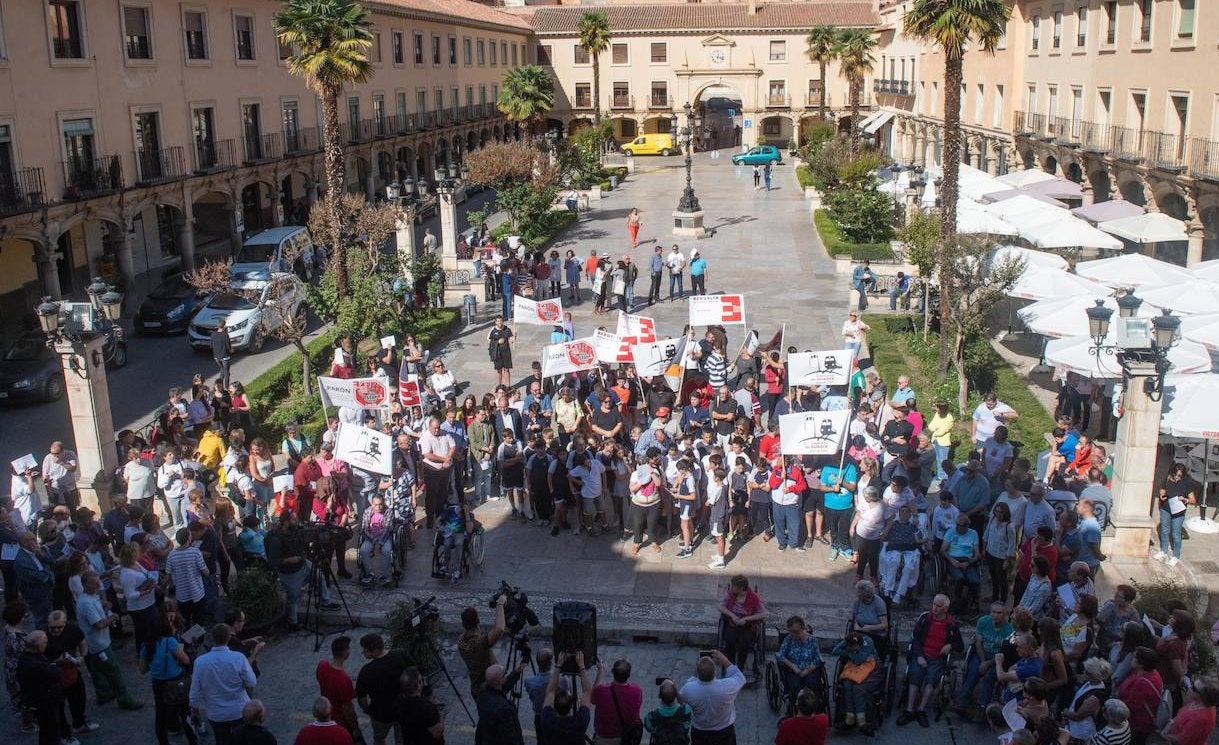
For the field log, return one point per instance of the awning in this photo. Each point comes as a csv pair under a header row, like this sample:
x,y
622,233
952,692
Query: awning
x,y
1152,227
1202,328
1060,230
1020,207
1017,179
877,122
1183,297
1132,270
976,221
1039,283
869,119
1004,195
1110,210
1077,354
1068,316
1058,188
1032,259
1188,409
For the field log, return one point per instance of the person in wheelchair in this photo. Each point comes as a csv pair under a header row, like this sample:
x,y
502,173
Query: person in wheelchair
x,y
743,613
799,661
869,615
936,635
859,678
376,532
960,550
900,550
452,531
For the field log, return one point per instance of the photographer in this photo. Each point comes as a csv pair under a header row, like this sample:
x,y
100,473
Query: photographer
x,y
476,647
286,547
713,700
563,723
420,721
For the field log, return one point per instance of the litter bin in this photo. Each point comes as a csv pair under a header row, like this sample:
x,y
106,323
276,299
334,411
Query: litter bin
x,y
613,181
471,304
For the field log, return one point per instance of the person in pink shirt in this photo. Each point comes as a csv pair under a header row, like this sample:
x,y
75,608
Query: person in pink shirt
x,y
1195,720
616,704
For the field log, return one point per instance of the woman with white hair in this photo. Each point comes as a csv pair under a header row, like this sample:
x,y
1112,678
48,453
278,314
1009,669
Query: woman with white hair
x,y
868,526
1117,725
1085,714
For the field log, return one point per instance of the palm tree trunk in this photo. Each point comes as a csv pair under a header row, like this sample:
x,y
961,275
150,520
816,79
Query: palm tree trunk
x,y
597,88
951,164
334,186
855,86
824,109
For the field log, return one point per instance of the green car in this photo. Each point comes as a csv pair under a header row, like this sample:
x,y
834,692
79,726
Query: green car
x,y
758,156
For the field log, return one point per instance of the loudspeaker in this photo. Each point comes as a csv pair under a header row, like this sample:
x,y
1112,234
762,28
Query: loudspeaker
x,y
575,630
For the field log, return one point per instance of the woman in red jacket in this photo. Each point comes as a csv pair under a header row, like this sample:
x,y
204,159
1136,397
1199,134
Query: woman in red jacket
x,y
1141,693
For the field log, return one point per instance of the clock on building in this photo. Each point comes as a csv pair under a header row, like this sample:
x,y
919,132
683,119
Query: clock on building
x,y
719,57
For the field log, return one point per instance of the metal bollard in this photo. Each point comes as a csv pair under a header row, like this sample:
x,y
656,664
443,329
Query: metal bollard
x,y
471,304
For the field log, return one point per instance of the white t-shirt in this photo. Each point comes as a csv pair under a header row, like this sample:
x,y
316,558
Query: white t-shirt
x,y
590,478
140,481
440,445
25,501
131,579
987,421
994,453
675,261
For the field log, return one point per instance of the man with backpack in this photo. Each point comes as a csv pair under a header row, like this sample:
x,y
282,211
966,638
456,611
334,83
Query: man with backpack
x,y
670,722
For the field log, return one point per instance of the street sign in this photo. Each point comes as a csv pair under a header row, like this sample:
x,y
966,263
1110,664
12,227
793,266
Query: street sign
x,y
748,123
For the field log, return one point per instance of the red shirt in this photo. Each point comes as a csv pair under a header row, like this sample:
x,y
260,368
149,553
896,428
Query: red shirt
x,y
605,717
774,380
335,684
323,733
1024,568
800,730
937,636
768,446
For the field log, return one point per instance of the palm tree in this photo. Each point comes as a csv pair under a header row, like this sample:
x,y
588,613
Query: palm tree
x,y
527,95
594,35
855,47
953,26
331,41
823,49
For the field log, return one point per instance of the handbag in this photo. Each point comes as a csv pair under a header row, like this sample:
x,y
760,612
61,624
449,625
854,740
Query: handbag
x,y
632,733
858,672
176,691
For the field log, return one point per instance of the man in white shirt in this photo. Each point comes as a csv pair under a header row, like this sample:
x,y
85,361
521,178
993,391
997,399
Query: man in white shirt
x,y
437,449
676,263
220,685
988,416
59,471
713,699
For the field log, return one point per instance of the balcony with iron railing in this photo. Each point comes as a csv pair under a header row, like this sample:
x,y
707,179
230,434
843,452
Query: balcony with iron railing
x,y
1095,137
1204,159
660,102
261,148
812,99
622,102
1021,124
157,166
302,141
215,155
778,101
21,191
1127,143
91,177
582,103
1066,131
1165,150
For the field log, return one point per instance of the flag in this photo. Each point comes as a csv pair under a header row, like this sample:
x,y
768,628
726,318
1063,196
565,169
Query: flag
x,y
676,369
776,341
408,386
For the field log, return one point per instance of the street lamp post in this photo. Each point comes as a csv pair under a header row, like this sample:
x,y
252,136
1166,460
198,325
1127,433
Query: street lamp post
x,y
688,217
448,180
1141,347
78,333
402,195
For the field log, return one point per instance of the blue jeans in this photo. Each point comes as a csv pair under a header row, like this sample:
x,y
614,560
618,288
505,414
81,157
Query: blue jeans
x,y
941,454
630,297
293,584
675,280
787,524
507,304
980,694
1170,532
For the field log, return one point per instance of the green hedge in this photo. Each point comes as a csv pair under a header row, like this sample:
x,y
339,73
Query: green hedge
x,y
897,348
837,246
804,176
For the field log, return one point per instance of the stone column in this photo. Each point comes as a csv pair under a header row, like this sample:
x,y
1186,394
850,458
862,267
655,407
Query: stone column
x,y
404,239
1086,187
48,269
311,192
448,231
1197,235
237,226
92,425
1134,469
186,237
370,186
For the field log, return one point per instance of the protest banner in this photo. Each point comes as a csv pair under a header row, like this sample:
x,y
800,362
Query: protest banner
x,y
570,356
831,367
654,358
537,312
636,329
610,348
813,432
359,393
707,310
364,448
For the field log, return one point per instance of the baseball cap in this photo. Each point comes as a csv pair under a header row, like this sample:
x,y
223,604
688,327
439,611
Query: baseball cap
x,y
605,254
663,411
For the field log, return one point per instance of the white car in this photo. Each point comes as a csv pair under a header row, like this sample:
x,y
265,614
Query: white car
x,y
251,312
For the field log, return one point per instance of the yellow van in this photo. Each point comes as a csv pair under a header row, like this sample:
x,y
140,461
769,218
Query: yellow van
x,y
653,144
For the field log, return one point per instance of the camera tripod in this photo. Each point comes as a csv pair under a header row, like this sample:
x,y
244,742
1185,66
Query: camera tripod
x,y
320,571
519,650
435,662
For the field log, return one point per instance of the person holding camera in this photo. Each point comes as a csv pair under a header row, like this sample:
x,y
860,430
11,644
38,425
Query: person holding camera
x,y
286,552
420,721
617,707
563,722
498,722
713,700
476,647
670,722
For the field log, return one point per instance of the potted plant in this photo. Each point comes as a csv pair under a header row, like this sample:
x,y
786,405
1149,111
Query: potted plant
x,y
791,148
258,595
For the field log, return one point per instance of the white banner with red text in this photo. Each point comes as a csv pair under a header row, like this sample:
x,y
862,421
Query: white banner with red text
x,y
359,393
710,310
537,312
568,357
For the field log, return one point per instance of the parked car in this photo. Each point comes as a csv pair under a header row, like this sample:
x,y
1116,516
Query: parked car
x,y
275,246
32,371
251,312
758,156
650,144
170,306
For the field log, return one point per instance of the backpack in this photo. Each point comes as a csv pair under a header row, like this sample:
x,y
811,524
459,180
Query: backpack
x,y
672,729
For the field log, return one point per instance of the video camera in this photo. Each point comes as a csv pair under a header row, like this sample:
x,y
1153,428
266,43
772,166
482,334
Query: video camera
x,y
516,609
320,538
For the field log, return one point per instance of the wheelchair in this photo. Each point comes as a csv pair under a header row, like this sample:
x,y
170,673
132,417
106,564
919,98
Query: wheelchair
x,y
400,509
473,551
758,649
884,694
777,694
946,686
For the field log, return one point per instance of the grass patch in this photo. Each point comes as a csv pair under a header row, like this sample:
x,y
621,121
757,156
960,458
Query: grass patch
x,y
837,246
804,175
897,348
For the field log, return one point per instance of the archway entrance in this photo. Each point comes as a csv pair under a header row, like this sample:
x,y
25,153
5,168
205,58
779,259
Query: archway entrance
x,y
723,116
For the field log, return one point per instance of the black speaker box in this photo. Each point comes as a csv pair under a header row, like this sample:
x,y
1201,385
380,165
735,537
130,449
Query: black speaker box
x,y
575,630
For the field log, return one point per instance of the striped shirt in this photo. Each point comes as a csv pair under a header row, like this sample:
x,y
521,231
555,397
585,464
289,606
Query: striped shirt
x,y
185,566
715,367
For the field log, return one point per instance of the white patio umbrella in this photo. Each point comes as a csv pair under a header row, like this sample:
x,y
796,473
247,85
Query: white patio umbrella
x,y
1068,316
1151,227
1189,406
1206,270
1039,283
1016,179
1202,328
928,199
1132,270
1060,230
976,221
1001,196
1032,259
1058,188
1075,354
1017,207
1189,297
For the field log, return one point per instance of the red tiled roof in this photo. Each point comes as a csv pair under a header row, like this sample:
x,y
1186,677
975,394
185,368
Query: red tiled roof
x,y
710,18
457,10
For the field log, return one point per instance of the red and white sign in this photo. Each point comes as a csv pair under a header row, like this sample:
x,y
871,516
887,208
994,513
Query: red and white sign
x,y
360,393
636,329
408,393
611,349
537,312
654,358
709,310
570,356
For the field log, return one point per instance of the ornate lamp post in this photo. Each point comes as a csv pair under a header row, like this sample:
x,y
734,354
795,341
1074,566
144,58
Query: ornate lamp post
x,y
1141,347
78,333
688,217
448,180
402,194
